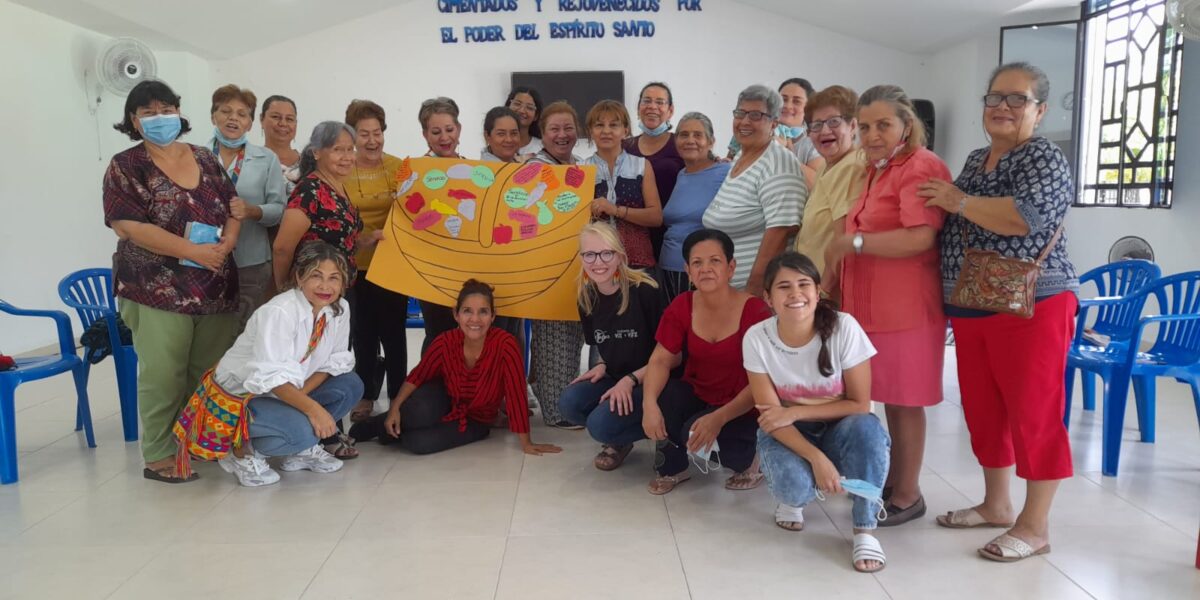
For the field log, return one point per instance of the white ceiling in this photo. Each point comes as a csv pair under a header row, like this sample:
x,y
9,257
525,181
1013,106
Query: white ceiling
x,y
220,29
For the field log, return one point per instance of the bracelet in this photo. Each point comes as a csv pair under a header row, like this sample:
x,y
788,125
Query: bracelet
x,y
635,379
626,215
962,205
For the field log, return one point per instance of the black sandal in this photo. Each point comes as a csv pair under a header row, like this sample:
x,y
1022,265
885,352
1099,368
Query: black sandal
x,y
151,474
343,448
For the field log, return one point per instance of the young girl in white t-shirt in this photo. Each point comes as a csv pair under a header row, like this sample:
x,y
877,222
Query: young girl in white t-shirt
x,y
810,373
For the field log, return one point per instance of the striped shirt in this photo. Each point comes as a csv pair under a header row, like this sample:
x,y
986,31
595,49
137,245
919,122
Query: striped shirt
x,y
476,393
770,193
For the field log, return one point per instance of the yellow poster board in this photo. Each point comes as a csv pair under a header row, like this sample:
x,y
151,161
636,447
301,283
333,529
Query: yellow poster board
x,y
513,226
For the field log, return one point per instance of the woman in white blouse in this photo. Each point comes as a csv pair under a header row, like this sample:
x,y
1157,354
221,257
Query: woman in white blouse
x,y
294,362
760,203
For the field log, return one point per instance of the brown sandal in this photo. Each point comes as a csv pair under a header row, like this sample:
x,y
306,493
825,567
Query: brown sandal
x,y
362,411
665,483
746,480
611,457
344,448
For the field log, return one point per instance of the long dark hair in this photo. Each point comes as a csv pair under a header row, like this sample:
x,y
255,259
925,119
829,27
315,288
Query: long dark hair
x,y
535,128
825,317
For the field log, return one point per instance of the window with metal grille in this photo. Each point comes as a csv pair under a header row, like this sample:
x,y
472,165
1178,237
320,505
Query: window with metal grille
x,y
1130,109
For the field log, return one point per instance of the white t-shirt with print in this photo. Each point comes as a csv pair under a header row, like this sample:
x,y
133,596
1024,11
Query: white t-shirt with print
x,y
794,371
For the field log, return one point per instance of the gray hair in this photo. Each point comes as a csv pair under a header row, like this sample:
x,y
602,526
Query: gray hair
x,y
1041,83
895,96
764,94
706,124
437,106
324,136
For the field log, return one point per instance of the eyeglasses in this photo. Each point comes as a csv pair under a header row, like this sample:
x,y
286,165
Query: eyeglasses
x,y
754,115
1012,100
659,102
832,123
605,256
514,105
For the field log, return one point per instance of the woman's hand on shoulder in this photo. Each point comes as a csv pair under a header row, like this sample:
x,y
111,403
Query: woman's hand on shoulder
x,y
941,194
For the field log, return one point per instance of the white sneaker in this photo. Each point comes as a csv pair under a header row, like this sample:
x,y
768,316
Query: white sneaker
x,y
315,459
251,470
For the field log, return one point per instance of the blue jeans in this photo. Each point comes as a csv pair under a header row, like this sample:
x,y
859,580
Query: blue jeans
x,y
858,447
278,429
580,405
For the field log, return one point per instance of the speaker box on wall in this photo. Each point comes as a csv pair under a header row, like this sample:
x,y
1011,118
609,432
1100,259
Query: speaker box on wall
x,y
925,113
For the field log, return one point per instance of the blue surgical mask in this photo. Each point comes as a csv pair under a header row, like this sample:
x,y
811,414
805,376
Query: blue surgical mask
x,y
160,130
228,143
657,131
789,132
867,491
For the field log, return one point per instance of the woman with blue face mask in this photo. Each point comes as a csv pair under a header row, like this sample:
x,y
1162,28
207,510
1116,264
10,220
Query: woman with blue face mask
x,y
656,143
256,174
170,204
810,373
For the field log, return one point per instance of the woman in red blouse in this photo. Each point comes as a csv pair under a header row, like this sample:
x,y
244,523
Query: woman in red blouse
x,y
453,396
319,208
891,283
711,408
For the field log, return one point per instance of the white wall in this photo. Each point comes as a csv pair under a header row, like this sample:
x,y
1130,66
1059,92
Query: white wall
x,y
396,58
54,158
959,78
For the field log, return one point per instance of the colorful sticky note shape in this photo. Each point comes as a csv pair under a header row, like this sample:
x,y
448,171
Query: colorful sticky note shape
x,y
426,220
443,208
482,176
466,208
574,177
545,217
502,234
527,173
516,197
566,202
459,171
529,230
548,177
414,203
454,225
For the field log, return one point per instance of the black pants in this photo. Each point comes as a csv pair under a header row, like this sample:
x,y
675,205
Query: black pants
x,y
378,316
438,320
422,430
681,408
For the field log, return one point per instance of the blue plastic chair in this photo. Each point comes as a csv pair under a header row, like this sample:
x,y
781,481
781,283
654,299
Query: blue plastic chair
x,y
1176,349
415,319
1121,289
32,369
90,293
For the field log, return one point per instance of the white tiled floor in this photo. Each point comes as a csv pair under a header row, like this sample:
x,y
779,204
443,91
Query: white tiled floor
x,y
485,521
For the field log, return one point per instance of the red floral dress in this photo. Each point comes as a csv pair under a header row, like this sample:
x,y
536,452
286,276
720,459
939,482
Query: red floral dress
x,y
334,220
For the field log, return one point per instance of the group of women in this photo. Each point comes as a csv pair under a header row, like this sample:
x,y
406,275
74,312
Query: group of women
x,y
742,313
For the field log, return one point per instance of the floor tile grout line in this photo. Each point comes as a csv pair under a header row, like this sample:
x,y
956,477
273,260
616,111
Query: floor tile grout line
x,y
338,542
1130,502
675,540
508,530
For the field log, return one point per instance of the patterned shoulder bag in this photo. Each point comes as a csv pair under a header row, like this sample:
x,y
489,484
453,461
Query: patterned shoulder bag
x,y
996,283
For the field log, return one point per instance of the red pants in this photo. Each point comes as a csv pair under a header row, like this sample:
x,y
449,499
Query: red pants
x,y
1010,372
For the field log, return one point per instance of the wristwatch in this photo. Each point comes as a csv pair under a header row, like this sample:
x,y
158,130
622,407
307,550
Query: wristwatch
x,y
858,243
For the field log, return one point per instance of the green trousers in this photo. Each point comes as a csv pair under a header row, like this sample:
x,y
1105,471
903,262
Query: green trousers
x,y
173,350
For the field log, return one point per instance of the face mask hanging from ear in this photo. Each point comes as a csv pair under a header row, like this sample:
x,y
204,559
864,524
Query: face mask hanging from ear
x,y
657,131
883,162
228,143
790,133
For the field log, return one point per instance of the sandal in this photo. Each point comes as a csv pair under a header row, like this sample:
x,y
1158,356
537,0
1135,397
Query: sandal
x,y
899,516
611,457
866,547
967,518
362,411
166,475
344,448
1012,549
665,483
788,517
746,480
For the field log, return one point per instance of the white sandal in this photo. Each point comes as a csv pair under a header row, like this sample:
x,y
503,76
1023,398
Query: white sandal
x,y
866,547
1012,549
789,517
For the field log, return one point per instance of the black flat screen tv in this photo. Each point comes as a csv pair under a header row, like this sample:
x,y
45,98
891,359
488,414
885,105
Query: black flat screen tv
x,y
582,89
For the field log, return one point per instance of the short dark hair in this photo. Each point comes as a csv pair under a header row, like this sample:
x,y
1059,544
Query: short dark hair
x,y
473,287
141,96
657,84
800,81
365,109
273,99
535,129
704,235
489,120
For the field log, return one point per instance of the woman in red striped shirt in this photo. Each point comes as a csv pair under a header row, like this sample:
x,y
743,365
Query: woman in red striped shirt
x,y
453,396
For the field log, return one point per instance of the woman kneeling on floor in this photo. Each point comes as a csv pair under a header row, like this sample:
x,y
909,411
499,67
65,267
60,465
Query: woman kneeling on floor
x,y
620,309
294,363
810,373
453,396
710,412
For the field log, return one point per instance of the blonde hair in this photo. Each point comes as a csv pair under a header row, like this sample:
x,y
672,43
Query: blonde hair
x,y
309,256
626,276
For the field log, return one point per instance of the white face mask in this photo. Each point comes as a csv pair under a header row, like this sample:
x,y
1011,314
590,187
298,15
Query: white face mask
x,y
703,458
883,162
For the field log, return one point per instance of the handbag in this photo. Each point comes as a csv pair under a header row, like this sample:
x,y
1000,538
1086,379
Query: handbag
x,y
996,283
211,424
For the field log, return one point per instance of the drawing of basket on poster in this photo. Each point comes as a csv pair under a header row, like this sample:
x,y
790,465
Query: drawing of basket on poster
x,y
514,226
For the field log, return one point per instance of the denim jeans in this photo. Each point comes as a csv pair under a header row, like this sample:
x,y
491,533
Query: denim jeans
x,y
858,447
278,429
580,405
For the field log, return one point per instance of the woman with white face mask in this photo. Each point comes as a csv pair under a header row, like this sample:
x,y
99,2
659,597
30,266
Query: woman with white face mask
x,y
656,143
178,296
256,173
